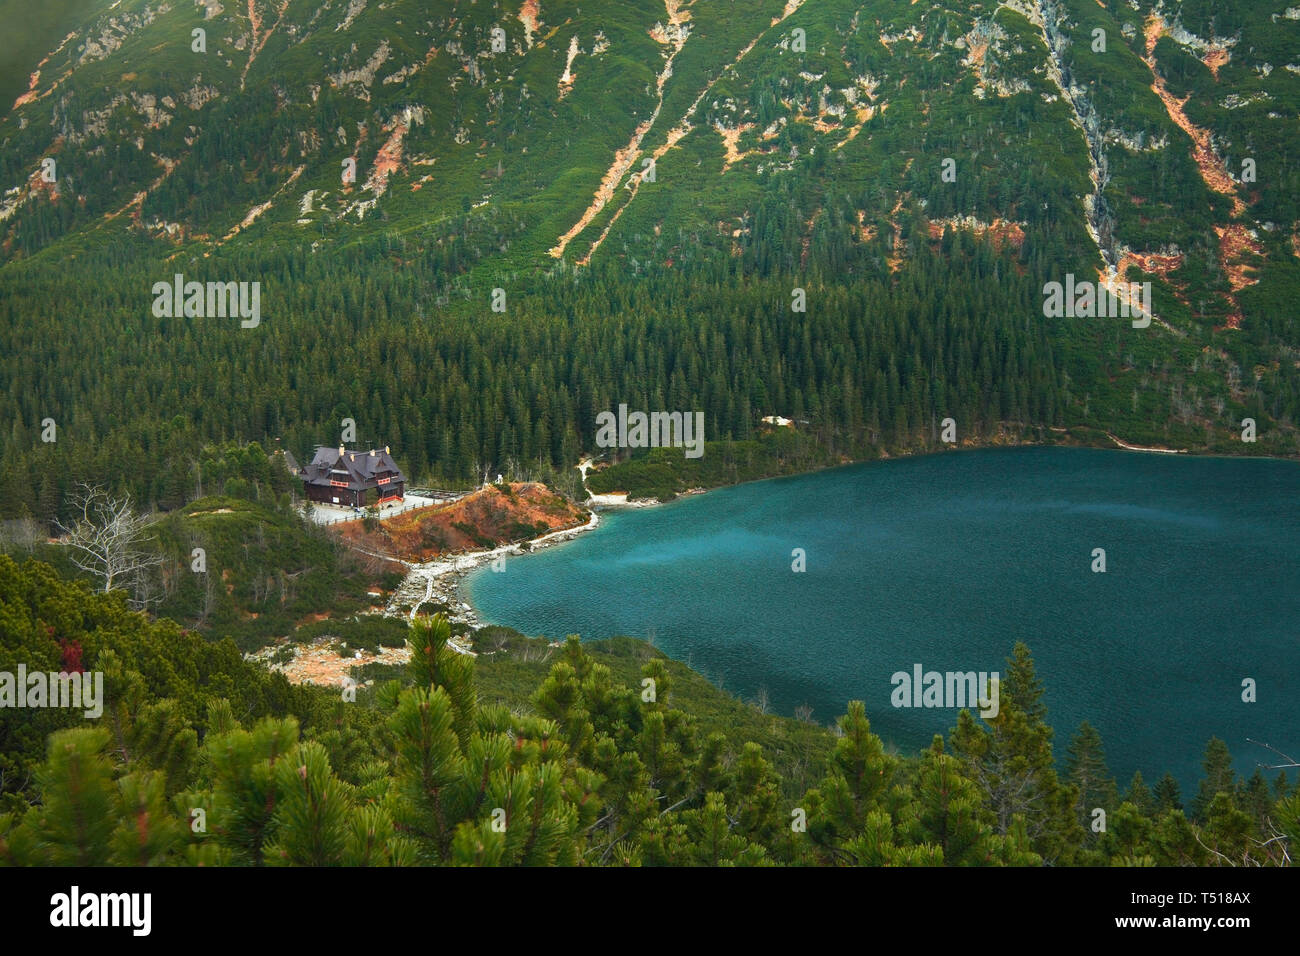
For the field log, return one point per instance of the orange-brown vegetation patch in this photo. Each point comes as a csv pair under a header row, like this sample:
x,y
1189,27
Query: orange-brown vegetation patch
x,y
895,259
320,664
863,114
1148,262
1236,246
1234,242
389,158
730,141
807,236
1212,170
790,7
1215,60
605,191
976,56
1001,232
1236,250
865,232
530,17
32,83
259,38
487,515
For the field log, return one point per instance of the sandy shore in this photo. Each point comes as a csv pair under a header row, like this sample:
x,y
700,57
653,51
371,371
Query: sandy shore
x,y
1127,447
441,581
619,499
434,582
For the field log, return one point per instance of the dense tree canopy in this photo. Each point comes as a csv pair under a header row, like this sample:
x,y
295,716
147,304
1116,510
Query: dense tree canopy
x,y
202,758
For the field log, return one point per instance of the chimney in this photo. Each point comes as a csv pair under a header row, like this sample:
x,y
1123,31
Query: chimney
x,y
386,451
340,451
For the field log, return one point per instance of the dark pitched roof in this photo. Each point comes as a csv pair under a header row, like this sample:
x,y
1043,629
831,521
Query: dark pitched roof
x,y
290,462
359,469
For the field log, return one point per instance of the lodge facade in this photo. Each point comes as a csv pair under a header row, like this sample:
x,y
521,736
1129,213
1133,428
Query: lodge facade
x,y
356,478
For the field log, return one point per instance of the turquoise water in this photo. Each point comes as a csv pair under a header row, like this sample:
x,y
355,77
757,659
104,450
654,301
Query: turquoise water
x,y
947,561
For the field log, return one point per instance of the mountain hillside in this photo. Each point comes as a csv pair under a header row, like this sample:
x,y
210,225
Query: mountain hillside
x,y
528,127
449,209
487,518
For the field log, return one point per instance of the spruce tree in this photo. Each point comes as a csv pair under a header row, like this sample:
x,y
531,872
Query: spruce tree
x,y
311,813
74,823
950,815
1129,835
756,796
474,786
1167,794
1086,768
1227,832
1219,777
1176,842
1012,763
859,775
148,833
1139,794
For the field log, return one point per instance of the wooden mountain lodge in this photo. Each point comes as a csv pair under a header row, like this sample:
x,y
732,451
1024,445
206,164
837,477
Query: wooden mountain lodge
x,y
357,478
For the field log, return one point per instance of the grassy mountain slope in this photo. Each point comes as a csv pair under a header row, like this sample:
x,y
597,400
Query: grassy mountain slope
x,y
920,170
846,108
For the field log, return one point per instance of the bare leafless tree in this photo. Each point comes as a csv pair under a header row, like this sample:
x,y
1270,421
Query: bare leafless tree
x,y
536,652
209,599
148,589
109,538
25,533
1290,764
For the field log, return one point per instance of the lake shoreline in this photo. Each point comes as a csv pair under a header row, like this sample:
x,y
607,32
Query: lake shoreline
x,y
458,592
442,581
950,564
619,500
